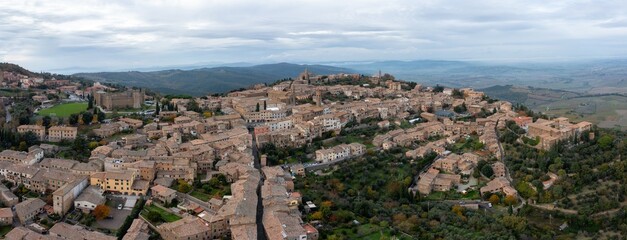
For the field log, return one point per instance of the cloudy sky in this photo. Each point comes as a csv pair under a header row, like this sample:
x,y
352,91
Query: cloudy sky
x,y
125,34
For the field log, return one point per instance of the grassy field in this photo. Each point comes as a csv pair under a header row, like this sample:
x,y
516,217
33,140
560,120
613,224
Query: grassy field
x,y
200,195
606,111
64,110
166,216
4,230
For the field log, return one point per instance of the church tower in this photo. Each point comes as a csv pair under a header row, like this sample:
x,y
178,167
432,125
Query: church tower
x,y
318,97
292,94
304,76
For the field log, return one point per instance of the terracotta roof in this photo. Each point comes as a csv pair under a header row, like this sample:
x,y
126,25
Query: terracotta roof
x,y
162,191
6,212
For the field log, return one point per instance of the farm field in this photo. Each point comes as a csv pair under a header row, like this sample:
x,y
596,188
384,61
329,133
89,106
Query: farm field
x,y
64,110
606,111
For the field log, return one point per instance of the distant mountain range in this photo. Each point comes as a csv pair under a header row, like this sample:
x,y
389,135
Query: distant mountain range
x,y
592,77
209,80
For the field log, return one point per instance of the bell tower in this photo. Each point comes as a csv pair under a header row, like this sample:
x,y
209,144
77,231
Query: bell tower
x,y
318,97
292,94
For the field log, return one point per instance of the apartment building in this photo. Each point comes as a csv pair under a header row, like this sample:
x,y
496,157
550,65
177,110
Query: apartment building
x,y
60,133
340,152
27,158
122,181
134,123
40,131
108,130
28,209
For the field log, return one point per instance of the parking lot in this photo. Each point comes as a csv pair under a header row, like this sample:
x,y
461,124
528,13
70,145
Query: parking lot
x,y
116,216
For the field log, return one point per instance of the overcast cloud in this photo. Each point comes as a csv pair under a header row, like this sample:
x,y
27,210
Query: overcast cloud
x,y
106,35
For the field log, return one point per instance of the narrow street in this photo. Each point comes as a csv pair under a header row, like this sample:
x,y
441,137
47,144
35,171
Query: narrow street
x,y
521,200
261,232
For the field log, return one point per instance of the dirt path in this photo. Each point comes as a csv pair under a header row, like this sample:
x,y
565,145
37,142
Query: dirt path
x,y
550,207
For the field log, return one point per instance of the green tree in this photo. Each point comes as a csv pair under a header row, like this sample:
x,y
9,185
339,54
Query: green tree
x,y
477,145
90,102
316,215
101,116
23,146
606,141
335,237
460,108
487,170
46,121
184,187
80,144
92,145
257,108
87,117
515,223
154,217
525,190
457,93
73,119
192,105
476,173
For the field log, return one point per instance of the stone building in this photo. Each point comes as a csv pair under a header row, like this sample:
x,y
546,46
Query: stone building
x,y
40,131
59,133
113,100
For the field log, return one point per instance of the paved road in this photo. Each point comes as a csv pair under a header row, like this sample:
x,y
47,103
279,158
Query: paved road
x,y
8,113
261,232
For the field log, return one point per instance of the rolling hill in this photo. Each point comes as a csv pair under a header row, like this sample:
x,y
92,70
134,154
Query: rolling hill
x,y
209,80
591,76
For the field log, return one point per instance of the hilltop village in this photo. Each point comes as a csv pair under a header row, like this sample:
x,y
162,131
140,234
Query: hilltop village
x,y
207,168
